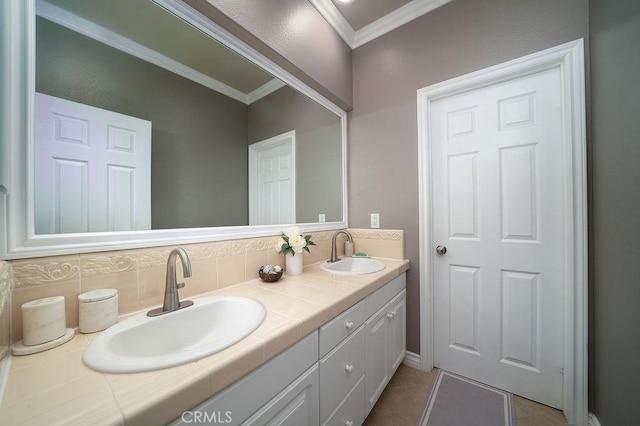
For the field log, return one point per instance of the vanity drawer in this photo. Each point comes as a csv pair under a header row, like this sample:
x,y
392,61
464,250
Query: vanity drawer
x,y
384,294
350,412
341,327
340,370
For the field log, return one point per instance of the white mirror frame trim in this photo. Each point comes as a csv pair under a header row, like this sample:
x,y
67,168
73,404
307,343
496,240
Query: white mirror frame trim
x,y
17,235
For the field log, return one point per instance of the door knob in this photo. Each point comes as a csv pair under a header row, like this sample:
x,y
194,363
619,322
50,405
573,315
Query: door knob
x,y
441,250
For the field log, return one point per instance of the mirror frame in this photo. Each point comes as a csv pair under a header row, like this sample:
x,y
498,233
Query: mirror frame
x,y
17,230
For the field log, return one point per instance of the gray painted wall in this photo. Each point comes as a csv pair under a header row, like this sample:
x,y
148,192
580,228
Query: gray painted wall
x,y
293,34
199,137
615,125
318,149
455,39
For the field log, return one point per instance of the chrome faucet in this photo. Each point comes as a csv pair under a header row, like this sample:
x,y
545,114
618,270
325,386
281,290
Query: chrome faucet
x,y
171,300
334,251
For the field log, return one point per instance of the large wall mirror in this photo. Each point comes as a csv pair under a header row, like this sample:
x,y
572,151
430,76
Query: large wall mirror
x,y
147,124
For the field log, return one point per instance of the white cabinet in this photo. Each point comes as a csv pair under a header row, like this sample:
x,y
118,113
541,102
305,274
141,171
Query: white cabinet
x,y
281,391
296,405
377,354
385,334
397,322
331,377
378,344
342,366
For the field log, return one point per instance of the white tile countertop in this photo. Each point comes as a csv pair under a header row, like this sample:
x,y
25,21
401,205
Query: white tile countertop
x,y
55,387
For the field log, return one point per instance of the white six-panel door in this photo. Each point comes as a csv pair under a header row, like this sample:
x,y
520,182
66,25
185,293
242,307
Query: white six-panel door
x,y
498,200
92,169
272,180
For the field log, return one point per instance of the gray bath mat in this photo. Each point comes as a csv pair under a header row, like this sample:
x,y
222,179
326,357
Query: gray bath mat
x,y
458,401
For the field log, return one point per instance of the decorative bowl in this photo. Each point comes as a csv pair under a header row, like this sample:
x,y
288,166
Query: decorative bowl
x,y
270,273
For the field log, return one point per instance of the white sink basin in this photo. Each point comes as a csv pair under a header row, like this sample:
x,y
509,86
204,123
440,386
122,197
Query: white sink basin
x,y
143,343
353,266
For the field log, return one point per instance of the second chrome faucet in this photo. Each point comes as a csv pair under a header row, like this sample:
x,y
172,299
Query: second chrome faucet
x,y
171,299
334,250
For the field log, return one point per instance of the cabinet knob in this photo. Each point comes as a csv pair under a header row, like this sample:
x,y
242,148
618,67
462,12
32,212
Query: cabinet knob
x,y
348,325
348,368
389,315
348,423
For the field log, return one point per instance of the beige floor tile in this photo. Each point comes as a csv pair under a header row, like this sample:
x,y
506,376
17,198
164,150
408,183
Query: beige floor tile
x,y
399,405
531,413
402,401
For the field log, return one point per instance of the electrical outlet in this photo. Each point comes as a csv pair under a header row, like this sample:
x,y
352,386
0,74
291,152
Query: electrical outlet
x,y
321,218
375,220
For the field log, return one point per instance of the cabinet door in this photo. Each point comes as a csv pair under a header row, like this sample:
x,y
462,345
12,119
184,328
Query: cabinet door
x,y
377,354
396,315
296,405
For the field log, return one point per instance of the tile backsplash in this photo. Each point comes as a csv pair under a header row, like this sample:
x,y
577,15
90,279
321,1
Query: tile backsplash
x,y
6,279
139,274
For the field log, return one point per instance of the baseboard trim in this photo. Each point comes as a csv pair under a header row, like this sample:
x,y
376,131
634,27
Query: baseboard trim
x,y
412,360
593,420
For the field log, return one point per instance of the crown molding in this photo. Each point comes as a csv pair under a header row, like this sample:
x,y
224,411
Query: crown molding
x,y
264,90
333,16
117,41
393,20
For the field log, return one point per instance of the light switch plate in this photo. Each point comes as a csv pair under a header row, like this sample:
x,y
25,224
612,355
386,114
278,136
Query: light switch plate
x,y
375,220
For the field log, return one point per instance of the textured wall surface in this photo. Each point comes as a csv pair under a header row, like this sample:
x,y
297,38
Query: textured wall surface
x,y
455,39
615,94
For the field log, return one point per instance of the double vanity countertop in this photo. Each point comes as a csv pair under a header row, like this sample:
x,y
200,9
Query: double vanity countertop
x,y
55,387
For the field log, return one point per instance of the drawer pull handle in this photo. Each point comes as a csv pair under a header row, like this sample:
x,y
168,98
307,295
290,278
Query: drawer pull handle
x,y
348,423
392,314
348,325
348,368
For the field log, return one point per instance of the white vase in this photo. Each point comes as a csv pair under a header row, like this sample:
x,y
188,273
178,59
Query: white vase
x,y
294,264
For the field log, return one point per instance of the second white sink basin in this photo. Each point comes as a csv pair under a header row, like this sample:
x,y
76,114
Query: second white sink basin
x,y
143,343
353,266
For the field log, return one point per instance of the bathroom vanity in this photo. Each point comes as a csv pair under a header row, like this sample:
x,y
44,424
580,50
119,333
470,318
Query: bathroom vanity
x,y
333,376
323,355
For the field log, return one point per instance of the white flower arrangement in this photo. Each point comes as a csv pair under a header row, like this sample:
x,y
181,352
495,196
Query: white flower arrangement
x,y
292,241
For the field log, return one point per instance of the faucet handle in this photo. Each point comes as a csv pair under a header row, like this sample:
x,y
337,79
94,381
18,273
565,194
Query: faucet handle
x,y
179,285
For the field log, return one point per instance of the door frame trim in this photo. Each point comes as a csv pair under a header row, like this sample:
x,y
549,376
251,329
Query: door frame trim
x,y
569,58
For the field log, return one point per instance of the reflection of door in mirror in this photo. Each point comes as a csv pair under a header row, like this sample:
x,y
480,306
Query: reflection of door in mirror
x,y
92,169
272,180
